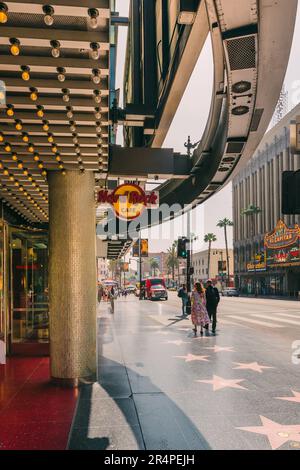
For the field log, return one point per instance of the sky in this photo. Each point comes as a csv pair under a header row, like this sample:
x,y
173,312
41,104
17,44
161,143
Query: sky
x,y
188,121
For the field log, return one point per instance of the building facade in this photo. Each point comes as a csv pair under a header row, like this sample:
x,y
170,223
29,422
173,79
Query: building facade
x,y
260,184
217,268
102,268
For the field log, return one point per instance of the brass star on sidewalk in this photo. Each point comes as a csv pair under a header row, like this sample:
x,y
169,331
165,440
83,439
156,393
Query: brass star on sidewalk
x,y
221,348
295,398
278,434
192,357
251,366
218,383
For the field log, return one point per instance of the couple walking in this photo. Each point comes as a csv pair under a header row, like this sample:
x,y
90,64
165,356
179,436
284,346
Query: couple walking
x,y
204,304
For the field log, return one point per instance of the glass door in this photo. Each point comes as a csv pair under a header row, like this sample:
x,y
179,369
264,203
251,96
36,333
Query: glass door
x,y
29,292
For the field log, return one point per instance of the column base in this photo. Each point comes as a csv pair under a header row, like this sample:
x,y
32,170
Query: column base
x,y
73,383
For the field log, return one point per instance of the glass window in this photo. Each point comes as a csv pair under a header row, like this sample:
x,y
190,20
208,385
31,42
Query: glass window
x,y
29,286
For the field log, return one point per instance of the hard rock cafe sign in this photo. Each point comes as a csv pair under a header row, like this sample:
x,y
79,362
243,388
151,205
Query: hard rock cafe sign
x,y
128,200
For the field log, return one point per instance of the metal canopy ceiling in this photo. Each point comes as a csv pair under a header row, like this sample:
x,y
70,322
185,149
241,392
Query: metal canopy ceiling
x,y
56,116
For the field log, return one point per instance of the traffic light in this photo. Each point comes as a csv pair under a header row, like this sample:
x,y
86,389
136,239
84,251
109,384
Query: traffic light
x,y
290,192
222,266
144,248
136,250
182,248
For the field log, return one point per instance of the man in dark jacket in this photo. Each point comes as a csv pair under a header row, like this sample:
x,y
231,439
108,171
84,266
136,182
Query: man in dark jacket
x,y
183,294
212,300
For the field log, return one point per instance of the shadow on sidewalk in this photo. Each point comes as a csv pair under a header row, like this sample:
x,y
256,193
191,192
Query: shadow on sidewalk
x,y
110,416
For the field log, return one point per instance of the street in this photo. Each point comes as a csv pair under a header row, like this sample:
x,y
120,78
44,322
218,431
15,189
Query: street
x,y
159,387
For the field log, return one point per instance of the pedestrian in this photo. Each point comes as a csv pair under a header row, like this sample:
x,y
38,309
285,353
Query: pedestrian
x,y
112,299
212,300
199,312
100,292
183,294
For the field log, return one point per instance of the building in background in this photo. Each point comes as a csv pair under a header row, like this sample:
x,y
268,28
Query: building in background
x,y
218,266
161,260
102,268
266,252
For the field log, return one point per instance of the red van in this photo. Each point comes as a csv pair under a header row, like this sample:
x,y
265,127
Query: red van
x,y
155,288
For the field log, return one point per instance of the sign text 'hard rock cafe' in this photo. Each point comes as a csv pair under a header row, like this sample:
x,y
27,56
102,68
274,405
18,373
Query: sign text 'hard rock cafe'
x,y
128,200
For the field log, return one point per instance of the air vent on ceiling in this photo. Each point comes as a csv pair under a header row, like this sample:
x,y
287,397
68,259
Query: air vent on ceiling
x,y
235,147
242,53
256,119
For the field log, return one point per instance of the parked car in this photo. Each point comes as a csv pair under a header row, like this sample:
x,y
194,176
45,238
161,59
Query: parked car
x,y
230,292
158,291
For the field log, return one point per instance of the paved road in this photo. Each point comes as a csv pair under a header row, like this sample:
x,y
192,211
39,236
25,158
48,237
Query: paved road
x,y
162,388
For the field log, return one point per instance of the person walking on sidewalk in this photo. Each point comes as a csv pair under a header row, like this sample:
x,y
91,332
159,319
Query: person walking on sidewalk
x,y
183,294
212,300
112,299
199,312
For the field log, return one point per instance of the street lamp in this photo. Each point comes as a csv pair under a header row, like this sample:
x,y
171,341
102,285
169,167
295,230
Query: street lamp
x,y
251,211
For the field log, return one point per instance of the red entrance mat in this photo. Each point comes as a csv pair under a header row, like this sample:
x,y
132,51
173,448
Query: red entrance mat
x,y
34,414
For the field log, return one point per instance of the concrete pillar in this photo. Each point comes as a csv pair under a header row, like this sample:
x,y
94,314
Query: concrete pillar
x,y
72,276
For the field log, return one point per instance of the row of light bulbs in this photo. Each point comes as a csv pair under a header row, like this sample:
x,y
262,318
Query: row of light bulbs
x,y
21,188
21,203
49,13
96,76
55,48
26,173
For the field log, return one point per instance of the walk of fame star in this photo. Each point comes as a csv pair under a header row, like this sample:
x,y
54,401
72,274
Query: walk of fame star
x,y
251,366
295,398
278,434
218,383
192,357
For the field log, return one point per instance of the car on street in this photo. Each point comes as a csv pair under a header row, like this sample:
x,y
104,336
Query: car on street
x,y
230,292
159,292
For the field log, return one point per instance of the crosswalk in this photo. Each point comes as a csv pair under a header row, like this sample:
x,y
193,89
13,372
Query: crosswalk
x,y
271,320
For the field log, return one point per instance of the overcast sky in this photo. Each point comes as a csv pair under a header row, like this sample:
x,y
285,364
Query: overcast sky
x,y
189,121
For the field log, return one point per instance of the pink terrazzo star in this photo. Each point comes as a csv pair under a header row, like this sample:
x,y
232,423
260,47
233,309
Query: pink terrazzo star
x,y
221,348
218,383
295,398
192,357
251,366
278,434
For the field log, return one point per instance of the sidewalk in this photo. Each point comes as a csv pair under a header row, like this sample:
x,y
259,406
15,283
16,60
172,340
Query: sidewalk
x,y
161,388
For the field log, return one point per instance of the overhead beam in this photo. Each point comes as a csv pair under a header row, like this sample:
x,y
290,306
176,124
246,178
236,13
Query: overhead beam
x,y
88,141
54,116
55,84
87,102
50,61
54,128
99,4
80,37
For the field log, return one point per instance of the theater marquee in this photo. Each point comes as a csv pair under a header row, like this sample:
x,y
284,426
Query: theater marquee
x,y
283,246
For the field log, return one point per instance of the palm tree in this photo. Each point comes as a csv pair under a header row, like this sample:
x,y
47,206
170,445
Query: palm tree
x,y
224,224
251,211
154,265
209,238
172,260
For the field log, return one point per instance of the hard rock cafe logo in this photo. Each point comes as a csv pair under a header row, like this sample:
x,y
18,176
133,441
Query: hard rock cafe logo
x,y
128,200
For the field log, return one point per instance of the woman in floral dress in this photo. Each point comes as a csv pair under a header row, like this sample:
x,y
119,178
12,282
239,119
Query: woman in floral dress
x,y
199,313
